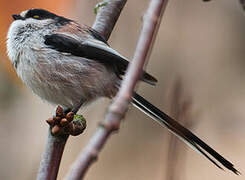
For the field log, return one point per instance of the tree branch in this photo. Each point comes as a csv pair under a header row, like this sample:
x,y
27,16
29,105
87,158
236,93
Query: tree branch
x,y
107,17
52,155
61,126
120,104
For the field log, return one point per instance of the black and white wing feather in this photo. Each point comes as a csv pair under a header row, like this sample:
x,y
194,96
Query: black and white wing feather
x,y
95,49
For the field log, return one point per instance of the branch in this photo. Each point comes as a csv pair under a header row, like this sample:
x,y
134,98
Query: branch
x,y
120,104
52,155
107,16
61,126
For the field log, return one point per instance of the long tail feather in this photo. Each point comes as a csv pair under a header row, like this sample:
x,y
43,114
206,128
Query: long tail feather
x,y
184,134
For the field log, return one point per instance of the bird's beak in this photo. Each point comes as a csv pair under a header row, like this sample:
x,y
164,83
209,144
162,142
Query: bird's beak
x,y
17,17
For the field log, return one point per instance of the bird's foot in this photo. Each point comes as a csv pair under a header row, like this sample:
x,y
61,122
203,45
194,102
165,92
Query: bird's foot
x,y
66,123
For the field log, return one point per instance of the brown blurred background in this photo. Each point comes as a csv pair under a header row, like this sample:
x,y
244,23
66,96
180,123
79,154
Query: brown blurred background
x,y
199,60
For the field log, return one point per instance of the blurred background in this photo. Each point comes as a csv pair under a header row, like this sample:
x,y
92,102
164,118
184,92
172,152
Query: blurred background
x,y
199,60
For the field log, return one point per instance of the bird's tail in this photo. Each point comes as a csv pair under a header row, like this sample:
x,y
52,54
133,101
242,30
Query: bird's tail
x,y
184,134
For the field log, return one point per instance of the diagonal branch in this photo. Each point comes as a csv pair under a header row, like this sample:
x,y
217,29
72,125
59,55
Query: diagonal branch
x,y
51,158
120,104
107,16
61,126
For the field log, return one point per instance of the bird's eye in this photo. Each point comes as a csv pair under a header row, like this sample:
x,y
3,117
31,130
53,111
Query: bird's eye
x,y
36,17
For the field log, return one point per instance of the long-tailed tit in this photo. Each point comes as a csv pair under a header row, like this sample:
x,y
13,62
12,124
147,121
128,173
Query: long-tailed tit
x,y
70,64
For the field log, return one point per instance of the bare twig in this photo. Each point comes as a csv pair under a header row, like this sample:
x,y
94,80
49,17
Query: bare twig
x,y
120,104
107,17
61,126
51,157
53,150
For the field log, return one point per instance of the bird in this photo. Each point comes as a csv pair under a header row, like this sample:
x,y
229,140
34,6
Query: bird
x,y
70,64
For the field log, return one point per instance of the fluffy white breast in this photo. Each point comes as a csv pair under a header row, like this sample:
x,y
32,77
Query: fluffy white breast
x,y
13,39
59,78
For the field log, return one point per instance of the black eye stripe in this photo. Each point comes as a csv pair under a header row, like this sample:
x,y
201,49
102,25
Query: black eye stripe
x,y
43,14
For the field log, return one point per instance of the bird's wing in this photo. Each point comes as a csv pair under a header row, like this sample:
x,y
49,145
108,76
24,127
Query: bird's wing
x,y
93,47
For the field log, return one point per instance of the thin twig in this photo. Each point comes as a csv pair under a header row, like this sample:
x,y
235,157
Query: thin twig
x,y
120,104
61,126
52,156
107,17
